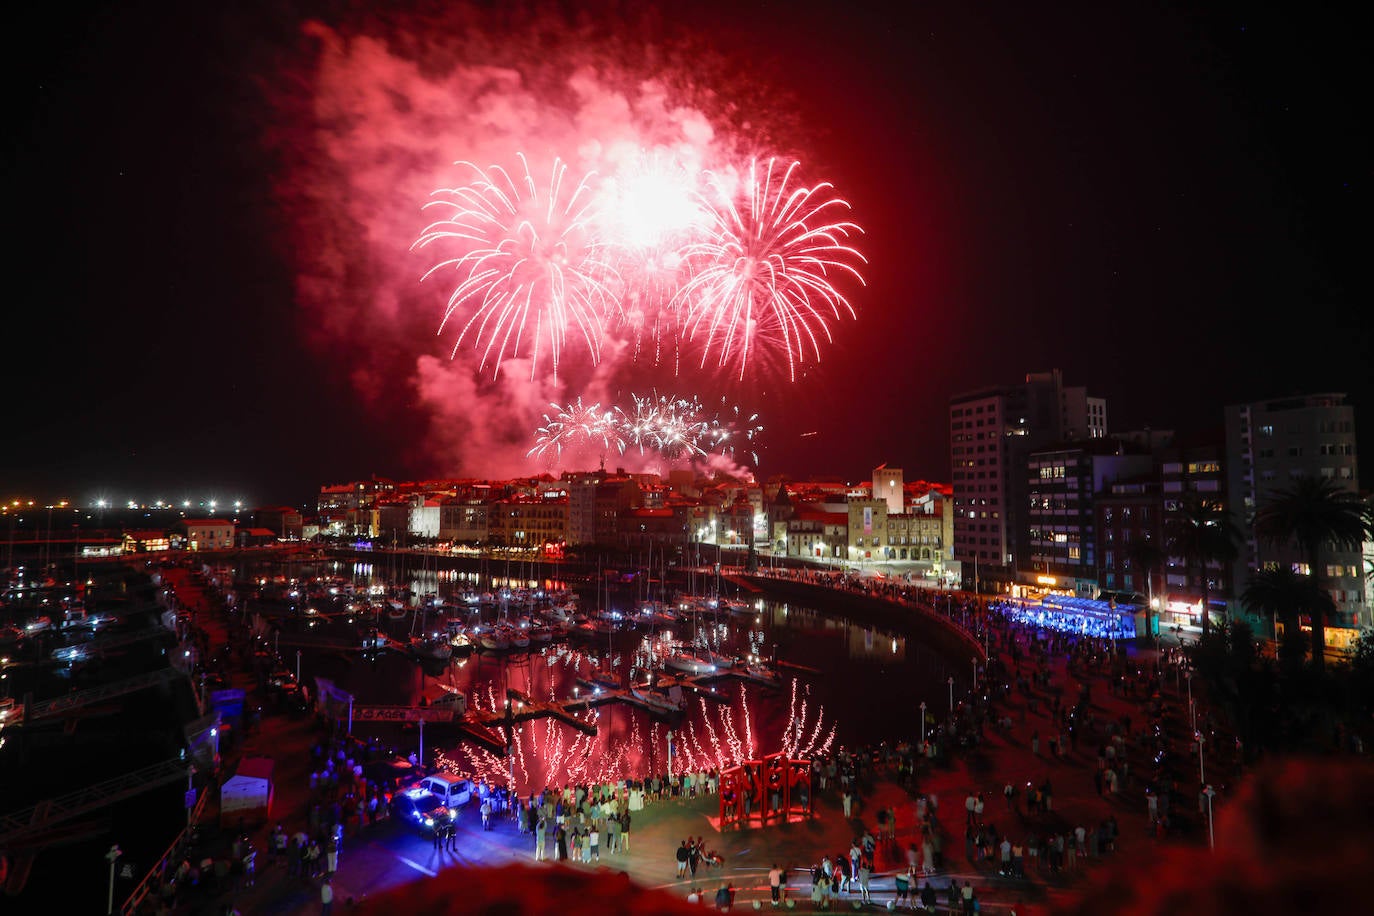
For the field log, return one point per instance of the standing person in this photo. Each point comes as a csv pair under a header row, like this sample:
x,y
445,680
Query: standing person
x,y
594,844
775,883
682,859
694,851
326,898
847,798
560,845
250,865
625,830
486,814
865,873
540,830
450,835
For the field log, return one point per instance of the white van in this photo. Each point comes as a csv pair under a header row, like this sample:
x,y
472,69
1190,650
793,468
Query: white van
x,y
453,791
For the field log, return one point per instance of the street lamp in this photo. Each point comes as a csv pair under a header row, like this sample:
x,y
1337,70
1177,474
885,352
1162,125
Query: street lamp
x,y
113,855
214,733
923,723
670,754
951,694
1201,770
1211,836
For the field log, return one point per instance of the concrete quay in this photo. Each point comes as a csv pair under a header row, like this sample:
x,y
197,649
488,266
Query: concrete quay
x,y
382,857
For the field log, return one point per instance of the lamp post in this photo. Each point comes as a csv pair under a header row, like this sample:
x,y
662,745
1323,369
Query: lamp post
x,y
1211,835
190,792
421,758
974,661
1201,769
923,723
113,856
670,754
214,733
1192,710
298,666
951,695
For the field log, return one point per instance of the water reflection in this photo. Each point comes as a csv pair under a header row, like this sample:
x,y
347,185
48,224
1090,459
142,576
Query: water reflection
x,y
843,682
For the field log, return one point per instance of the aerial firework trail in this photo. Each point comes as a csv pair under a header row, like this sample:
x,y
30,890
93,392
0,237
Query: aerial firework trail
x,y
762,276
577,426
731,271
671,426
533,265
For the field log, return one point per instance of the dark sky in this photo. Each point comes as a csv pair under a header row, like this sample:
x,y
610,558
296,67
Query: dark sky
x,y
1167,202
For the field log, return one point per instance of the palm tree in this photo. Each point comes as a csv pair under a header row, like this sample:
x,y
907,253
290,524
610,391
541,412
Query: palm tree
x,y
1202,533
1282,594
1146,558
1316,513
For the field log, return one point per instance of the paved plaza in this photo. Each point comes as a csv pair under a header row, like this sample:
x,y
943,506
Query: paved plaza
x,y
381,857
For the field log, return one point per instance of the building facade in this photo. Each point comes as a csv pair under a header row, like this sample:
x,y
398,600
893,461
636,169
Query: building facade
x,y
992,431
1270,445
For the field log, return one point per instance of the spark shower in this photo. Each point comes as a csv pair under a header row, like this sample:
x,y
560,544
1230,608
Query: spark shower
x,y
489,215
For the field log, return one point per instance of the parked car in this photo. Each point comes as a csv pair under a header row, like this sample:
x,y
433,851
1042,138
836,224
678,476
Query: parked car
x,y
452,791
421,809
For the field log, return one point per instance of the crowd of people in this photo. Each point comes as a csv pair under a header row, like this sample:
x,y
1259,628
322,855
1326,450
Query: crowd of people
x,y
1030,671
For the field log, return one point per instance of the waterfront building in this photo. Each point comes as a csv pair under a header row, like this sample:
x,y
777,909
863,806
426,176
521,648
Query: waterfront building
x,y
1269,445
1062,484
992,431
207,534
527,522
463,520
1129,511
284,520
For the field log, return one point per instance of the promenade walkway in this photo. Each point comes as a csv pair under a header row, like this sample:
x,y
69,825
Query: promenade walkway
x,y
1007,724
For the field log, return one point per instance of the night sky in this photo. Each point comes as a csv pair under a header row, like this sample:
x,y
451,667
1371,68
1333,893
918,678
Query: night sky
x,y
1166,202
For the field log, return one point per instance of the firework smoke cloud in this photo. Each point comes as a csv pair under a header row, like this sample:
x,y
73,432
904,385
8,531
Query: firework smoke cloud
x,y
490,218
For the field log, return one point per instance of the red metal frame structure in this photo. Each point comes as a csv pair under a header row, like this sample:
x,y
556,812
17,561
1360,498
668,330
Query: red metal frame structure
x,y
769,790
800,798
733,787
775,802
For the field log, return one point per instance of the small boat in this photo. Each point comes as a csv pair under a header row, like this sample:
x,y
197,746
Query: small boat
x,y
374,641
657,700
395,610
606,680
460,641
762,671
697,662
493,639
431,647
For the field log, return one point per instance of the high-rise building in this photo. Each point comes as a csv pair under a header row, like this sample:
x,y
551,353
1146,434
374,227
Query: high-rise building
x,y
1269,445
1063,483
991,433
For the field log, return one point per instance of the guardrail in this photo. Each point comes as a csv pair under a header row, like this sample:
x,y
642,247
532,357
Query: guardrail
x,y
154,875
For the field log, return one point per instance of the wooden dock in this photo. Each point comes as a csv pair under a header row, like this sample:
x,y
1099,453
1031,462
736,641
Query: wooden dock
x,y
521,707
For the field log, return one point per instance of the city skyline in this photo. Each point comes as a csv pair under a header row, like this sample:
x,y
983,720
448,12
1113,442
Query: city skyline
x,y
1143,200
